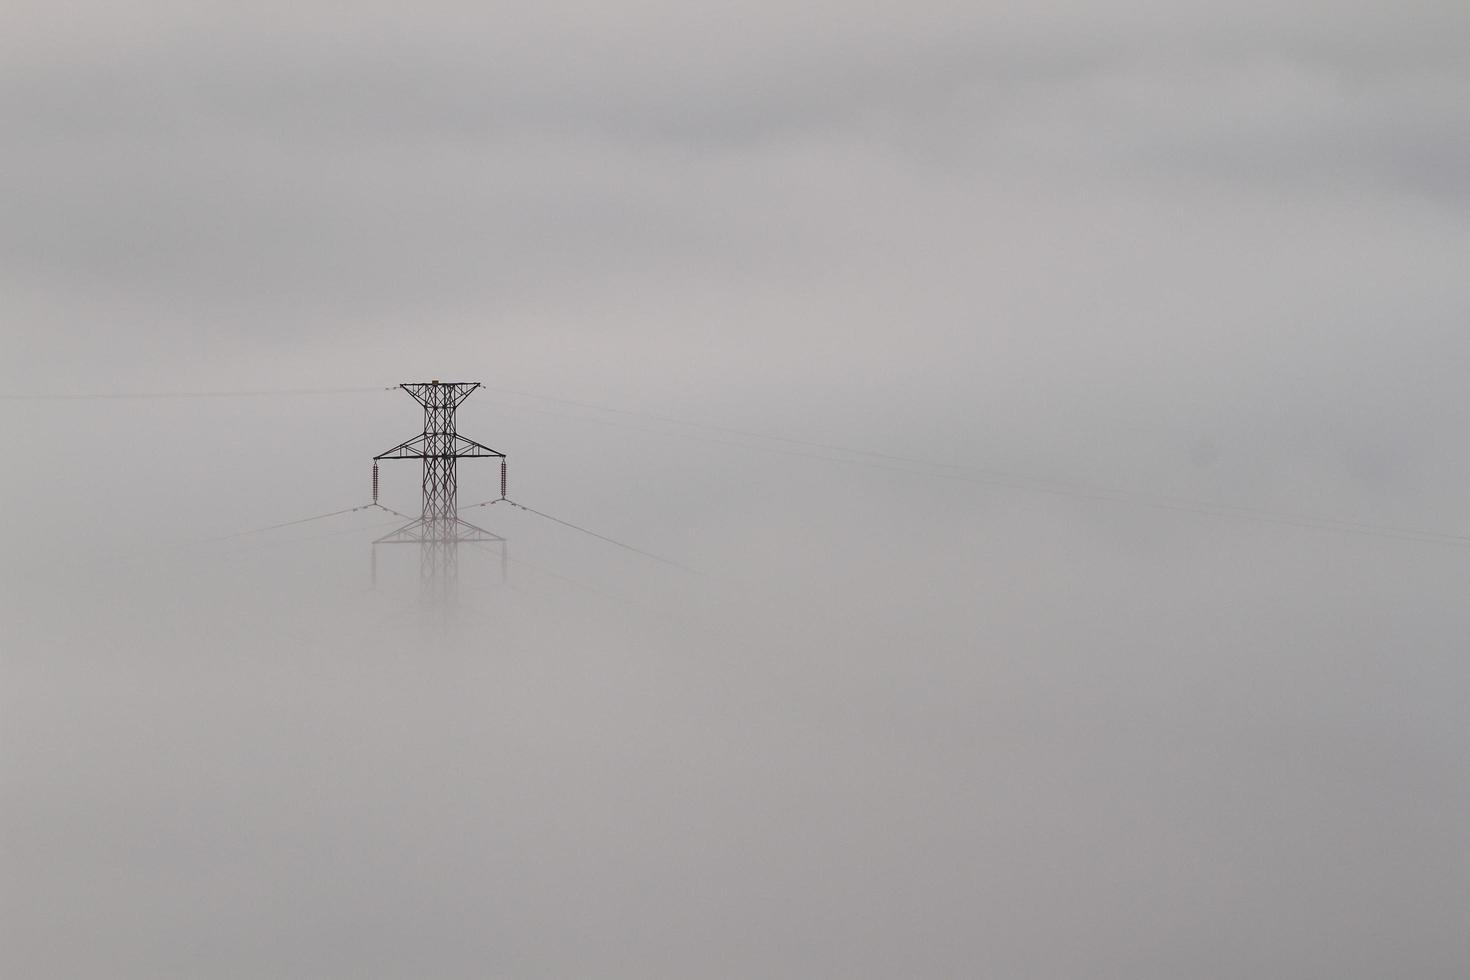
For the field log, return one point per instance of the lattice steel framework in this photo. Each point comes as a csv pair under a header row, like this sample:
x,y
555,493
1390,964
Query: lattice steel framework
x,y
439,529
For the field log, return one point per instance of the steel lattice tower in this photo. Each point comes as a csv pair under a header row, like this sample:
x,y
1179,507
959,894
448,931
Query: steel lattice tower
x,y
439,529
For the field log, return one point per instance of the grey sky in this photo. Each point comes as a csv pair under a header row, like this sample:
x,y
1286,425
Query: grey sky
x,y
899,724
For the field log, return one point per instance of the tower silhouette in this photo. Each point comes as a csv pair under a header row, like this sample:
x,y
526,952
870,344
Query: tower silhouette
x,y
439,529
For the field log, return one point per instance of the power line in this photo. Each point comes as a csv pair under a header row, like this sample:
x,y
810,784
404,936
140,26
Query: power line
x,y
792,446
143,395
997,478
303,520
726,429
392,511
339,532
620,600
577,527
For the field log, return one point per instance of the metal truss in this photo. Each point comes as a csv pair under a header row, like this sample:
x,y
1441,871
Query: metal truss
x,y
439,529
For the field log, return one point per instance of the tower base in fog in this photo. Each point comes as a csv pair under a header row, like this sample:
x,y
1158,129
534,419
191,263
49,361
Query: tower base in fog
x,y
440,530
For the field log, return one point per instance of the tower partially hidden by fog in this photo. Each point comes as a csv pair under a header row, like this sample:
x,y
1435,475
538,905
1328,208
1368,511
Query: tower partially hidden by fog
x,y
439,529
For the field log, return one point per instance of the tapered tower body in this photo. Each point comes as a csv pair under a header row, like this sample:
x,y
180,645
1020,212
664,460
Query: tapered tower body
x,y
439,529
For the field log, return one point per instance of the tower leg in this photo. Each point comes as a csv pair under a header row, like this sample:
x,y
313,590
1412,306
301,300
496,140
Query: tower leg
x,y
438,531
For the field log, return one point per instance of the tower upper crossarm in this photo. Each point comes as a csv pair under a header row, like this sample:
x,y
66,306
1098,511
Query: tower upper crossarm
x,y
416,448
408,449
468,447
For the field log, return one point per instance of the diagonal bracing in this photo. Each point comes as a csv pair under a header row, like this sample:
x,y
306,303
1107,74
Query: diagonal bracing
x,y
439,529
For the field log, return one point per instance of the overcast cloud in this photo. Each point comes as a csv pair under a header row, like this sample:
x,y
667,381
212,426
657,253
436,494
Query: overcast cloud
x,y
1143,685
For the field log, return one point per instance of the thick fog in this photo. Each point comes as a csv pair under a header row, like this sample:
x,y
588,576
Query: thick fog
x,y
1058,413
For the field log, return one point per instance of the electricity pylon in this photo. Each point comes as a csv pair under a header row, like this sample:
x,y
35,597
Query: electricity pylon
x,y
439,528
